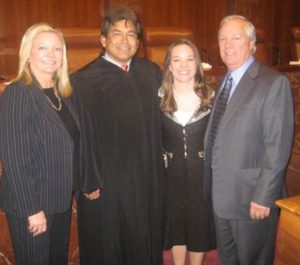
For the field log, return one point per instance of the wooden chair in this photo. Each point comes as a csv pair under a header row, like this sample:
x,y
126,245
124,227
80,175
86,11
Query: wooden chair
x,y
261,53
294,33
158,39
83,45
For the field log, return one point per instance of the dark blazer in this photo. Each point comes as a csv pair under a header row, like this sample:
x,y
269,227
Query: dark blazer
x,y
37,153
253,144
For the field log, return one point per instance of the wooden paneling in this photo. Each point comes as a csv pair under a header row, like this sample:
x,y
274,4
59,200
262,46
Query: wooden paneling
x,y
293,170
261,14
17,15
286,16
209,16
202,16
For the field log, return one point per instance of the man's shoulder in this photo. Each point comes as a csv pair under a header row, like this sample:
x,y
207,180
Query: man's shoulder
x,y
17,87
267,79
88,69
142,62
146,69
263,71
266,70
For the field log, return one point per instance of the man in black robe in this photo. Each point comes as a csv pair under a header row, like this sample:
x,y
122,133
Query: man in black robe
x,y
120,208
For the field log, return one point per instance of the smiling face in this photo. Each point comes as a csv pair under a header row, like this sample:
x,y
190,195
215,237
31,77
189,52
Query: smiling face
x,y
46,55
121,42
234,44
183,64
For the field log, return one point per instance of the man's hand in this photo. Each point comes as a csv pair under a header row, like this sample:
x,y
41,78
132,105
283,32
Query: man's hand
x,y
37,223
93,195
258,212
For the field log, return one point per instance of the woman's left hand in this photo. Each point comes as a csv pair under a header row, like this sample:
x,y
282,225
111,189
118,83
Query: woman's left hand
x,y
37,223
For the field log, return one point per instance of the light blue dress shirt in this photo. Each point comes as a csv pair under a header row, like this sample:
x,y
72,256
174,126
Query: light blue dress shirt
x,y
238,74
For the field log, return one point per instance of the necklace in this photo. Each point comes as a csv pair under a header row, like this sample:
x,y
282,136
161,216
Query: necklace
x,y
59,101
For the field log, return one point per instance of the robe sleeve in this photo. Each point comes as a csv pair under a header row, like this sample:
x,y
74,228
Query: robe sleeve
x,y
92,178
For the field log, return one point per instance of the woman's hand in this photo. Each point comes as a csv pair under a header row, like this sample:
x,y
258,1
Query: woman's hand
x,y
37,223
93,195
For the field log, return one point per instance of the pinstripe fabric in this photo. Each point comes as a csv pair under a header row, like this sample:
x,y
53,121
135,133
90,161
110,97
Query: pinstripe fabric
x,y
49,248
37,154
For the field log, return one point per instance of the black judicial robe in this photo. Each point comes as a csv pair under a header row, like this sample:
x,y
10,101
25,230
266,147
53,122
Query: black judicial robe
x,y
121,130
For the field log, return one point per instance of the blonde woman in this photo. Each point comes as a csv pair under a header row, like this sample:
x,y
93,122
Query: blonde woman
x,y
185,105
39,147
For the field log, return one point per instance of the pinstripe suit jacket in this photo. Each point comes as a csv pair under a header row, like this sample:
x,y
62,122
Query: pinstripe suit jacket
x,y
37,153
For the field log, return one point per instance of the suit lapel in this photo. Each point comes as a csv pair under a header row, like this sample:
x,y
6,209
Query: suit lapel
x,y
207,133
242,90
44,104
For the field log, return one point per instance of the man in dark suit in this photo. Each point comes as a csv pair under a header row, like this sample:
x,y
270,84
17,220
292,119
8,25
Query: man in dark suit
x,y
247,144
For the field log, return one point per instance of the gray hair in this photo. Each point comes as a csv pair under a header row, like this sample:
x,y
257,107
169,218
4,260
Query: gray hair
x,y
249,27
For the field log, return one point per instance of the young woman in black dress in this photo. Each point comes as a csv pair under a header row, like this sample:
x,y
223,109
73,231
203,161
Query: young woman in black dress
x,y
185,106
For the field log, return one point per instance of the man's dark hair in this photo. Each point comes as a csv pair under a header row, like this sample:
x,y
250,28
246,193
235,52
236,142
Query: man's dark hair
x,y
120,13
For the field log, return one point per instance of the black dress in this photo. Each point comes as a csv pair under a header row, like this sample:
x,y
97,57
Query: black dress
x,y
188,220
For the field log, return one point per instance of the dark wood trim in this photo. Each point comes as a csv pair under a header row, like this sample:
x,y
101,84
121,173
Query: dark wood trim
x,y
232,7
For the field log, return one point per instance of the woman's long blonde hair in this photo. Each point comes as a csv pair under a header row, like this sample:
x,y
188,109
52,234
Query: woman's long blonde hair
x,y
61,77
